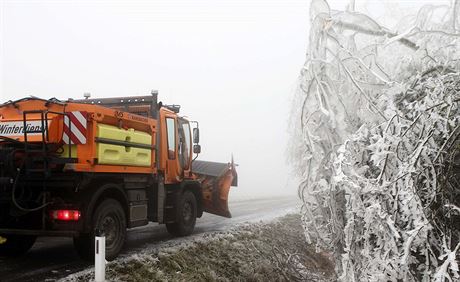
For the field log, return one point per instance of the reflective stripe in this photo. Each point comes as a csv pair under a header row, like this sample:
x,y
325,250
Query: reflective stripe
x,y
75,124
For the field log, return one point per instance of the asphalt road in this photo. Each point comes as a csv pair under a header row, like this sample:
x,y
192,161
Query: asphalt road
x,y
53,258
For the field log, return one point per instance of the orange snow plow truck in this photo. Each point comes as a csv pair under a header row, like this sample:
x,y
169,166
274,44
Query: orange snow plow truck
x,y
77,167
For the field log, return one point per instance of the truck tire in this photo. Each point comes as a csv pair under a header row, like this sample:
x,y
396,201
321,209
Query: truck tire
x,y
16,245
109,217
185,217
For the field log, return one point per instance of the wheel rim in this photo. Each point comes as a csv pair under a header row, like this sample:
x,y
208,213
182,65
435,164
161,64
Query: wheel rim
x,y
111,227
187,212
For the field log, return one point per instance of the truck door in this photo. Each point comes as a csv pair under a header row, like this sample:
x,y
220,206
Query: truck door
x,y
172,169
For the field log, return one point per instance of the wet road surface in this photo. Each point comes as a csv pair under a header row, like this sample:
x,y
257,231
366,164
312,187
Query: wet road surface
x,y
52,258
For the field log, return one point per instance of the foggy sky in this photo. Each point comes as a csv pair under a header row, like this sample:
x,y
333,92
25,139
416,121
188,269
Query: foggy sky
x,y
231,65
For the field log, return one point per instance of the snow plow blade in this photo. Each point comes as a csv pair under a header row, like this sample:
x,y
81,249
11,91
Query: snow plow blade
x,y
216,179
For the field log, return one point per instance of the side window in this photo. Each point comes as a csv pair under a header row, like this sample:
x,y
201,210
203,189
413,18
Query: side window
x,y
171,130
184,143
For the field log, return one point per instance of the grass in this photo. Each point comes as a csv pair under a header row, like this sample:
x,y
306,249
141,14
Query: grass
x,y
273,251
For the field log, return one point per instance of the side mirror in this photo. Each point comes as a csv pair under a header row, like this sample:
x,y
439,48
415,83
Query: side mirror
x,y
196,135
196,149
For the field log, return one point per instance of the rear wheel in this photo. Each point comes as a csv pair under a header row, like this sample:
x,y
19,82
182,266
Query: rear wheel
x,y
185,215
16,245
110,218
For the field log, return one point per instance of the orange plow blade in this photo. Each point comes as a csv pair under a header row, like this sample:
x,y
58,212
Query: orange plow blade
x,y
216,179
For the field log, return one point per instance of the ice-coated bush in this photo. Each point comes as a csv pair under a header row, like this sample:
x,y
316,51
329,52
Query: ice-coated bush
x,y
376,141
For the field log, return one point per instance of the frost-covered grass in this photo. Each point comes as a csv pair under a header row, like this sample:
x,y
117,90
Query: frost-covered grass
x,y
273,251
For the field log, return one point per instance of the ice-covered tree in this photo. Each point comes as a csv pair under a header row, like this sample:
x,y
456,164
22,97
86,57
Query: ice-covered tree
x,y
376,141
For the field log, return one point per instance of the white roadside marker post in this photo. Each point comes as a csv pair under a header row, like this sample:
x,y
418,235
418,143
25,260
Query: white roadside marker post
x,y
99,257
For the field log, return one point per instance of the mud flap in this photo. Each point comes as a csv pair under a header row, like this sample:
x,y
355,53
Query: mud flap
x,y
215,179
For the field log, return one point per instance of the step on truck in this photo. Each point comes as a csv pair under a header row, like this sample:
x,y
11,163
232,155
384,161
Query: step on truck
x,y
77,167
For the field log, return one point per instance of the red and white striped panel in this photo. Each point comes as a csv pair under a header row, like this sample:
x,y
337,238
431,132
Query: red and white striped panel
x,y
76,129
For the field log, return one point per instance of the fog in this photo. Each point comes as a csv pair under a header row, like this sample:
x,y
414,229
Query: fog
x,y
231,65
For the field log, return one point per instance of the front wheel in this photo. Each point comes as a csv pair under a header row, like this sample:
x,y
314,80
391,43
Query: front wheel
x,y
16,245
110,218
185,217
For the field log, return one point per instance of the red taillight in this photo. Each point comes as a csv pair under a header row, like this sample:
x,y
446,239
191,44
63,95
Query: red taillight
x,y
66,215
